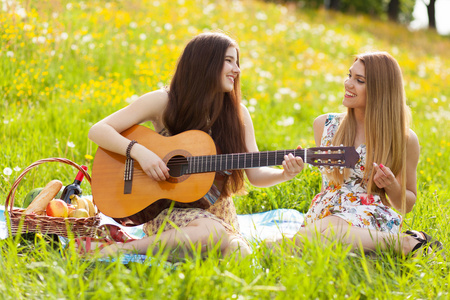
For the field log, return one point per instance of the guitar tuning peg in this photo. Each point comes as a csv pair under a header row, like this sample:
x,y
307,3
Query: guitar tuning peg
x,y
341,170
341,145
331,169
322,169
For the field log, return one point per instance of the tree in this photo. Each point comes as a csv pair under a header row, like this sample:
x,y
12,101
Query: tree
x,y
332,4
393,10
431,10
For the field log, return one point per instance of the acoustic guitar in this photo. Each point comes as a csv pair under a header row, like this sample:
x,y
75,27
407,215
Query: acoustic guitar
x,y
193,162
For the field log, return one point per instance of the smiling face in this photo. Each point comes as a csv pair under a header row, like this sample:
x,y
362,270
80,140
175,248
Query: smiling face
x,y
355,87
230,70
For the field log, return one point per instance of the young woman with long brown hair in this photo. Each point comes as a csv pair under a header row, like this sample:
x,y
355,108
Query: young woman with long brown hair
x,y
364,205
205,95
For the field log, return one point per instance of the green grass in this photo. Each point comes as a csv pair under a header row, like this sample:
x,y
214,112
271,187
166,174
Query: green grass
x,y
69,64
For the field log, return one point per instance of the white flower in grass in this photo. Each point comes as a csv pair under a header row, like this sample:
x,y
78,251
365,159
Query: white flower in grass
x,y
41,39
260,88
86,38
284,91
17,168
297,106
7,171
261,16
70,145
21,12
9,54
133,25
143,36
286,121
168,26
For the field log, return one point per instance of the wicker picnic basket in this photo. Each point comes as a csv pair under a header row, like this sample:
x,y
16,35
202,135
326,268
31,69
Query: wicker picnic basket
x,y
22,223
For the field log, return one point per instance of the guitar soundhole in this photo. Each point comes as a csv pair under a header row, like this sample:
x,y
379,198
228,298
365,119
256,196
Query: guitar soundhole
x,y
177,165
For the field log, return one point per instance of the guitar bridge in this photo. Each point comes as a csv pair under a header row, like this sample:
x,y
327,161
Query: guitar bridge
x,y
128,176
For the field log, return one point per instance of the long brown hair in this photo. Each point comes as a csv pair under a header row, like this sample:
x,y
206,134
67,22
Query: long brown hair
x,y
386,122
197,100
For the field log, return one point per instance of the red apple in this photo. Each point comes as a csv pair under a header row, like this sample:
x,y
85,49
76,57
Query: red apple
x,y
57,208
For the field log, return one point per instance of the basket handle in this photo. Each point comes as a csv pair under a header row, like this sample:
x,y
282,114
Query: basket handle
x,y
10,198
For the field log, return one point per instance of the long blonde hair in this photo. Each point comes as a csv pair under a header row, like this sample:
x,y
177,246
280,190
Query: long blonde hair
x,y
386,123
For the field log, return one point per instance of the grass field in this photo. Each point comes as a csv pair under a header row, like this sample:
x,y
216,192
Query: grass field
x,y
66,65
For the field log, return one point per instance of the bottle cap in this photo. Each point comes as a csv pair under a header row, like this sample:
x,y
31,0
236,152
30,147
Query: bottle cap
x,y
80,174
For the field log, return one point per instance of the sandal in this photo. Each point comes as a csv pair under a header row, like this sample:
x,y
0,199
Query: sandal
x,y
429,242
116,233
84,244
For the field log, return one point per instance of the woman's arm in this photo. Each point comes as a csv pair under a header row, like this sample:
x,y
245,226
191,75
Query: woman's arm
x,y
106,133
267,176
318,126
384,178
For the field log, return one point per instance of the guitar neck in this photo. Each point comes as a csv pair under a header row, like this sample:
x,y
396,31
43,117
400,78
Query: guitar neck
x,y
222,162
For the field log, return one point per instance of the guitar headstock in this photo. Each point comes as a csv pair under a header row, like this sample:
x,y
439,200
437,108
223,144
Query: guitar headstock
x,y
334,156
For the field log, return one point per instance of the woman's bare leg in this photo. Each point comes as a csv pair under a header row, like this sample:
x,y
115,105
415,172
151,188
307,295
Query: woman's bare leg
x,y
204,232
334,228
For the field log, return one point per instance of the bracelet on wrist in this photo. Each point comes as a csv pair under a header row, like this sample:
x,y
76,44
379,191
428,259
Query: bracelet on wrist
x,y
130,145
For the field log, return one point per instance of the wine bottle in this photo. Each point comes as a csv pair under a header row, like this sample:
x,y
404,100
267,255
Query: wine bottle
x,y
74,188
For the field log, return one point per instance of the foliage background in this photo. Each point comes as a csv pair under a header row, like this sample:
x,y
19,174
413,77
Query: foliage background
x,y
66,65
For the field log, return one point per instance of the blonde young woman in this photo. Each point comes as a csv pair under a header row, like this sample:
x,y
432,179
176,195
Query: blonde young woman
x,y
362,205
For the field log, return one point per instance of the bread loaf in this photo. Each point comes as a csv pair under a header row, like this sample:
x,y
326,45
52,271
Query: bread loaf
x,y
47,194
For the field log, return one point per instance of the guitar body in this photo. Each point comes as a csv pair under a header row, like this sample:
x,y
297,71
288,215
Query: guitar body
x,y
149,197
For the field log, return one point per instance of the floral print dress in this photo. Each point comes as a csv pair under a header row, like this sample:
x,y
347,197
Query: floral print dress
x,y
350,200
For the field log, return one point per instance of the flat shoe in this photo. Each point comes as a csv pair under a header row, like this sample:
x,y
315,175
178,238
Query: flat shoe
x,y
428,242
116,233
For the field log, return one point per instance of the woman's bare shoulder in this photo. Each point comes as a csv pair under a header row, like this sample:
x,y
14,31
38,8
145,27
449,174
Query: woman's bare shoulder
x,y
413,141
320,120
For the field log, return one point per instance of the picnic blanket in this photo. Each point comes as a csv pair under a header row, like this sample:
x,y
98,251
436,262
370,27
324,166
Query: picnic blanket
x,y
254,227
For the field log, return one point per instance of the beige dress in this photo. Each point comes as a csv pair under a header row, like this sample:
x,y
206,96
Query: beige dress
x,y
222,211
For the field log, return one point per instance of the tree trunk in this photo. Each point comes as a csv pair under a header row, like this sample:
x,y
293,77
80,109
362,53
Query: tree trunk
x,y
394,10
431,14
332,4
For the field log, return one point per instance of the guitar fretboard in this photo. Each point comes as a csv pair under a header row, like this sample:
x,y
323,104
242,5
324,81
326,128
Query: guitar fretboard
x,y
221,162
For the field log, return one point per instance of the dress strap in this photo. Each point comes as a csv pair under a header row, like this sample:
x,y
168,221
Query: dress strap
x,y
331,125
